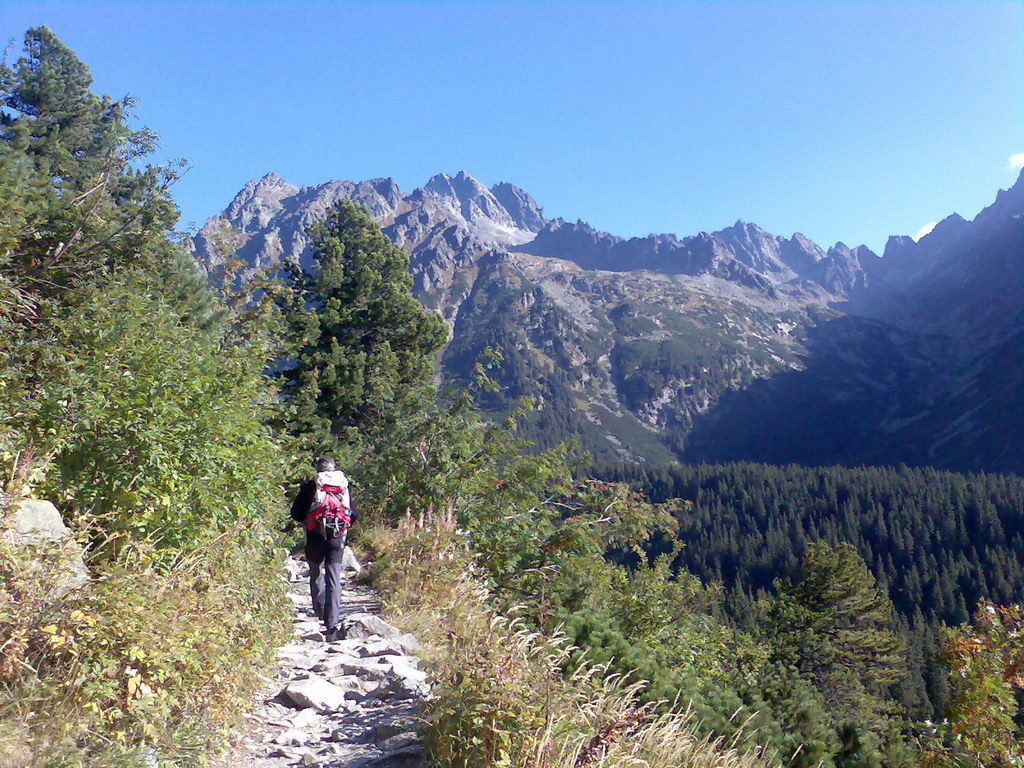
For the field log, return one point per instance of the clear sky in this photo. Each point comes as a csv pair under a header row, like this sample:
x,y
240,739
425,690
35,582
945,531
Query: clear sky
x,y
844,120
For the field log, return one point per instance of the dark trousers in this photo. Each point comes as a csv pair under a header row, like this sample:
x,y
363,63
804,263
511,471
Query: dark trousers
x,y
324,558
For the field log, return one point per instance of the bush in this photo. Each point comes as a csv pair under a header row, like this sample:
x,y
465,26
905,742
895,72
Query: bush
x,y
500,696
140,660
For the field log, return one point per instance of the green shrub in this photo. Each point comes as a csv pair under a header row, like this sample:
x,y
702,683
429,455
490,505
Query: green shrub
x,y
142,660
500,694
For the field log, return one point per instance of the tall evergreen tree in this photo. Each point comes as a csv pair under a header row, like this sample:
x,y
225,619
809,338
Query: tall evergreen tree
x,y
75,203
363,349
834,627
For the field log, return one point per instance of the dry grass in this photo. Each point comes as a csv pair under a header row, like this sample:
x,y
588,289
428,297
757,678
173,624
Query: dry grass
x,y
501,699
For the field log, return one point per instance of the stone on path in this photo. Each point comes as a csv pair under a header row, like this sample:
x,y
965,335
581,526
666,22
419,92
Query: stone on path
x,y
352,703
387,647
349,561
315,692
407,671
361,626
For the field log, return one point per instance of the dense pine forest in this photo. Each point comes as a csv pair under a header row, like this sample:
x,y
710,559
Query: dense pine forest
x,y
739,616
937,542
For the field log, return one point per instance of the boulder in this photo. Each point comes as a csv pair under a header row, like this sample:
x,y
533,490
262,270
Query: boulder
x,y
409,643
315,692
361,626
34,527
403,669
349,561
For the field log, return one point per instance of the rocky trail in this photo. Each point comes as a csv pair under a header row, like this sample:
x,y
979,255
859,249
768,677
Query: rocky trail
x,y
353,703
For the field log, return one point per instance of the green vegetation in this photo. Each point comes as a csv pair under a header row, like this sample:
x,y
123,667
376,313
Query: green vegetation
x,y
134,404
987,661
501,696
360,355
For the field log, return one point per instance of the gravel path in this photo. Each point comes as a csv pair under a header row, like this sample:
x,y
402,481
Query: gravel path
x,y
353,703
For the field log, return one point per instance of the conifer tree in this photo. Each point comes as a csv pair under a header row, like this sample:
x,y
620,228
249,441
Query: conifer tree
x,y
363,349
74,202
834,627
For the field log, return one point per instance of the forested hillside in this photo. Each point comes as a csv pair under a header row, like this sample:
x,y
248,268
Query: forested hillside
x,y
937,542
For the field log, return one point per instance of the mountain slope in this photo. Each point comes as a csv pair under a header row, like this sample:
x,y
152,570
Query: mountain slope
x,y
735,344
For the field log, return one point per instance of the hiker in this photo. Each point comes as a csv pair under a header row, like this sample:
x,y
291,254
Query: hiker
x,y
324,507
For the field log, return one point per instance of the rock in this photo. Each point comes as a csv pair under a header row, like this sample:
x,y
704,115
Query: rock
x,y
401,742
403,757
397,688
401,667
366,625
349,561
364,669
292,651
293,737
387,647
38,519
409,643
315,692
305,718
36,527
349,647
383,731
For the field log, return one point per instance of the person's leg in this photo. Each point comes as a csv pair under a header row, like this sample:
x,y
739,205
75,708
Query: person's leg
x,y
332,582
315,557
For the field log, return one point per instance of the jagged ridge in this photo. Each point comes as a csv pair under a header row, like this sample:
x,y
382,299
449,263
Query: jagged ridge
x,y
664,346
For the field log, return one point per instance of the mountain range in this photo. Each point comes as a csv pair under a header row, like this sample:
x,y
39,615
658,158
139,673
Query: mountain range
x,y
736,344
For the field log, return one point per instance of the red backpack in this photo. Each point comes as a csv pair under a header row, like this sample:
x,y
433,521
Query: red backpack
x,y
329,514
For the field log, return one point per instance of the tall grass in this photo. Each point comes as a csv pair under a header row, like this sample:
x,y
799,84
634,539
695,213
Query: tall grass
x,y
500,696
142,664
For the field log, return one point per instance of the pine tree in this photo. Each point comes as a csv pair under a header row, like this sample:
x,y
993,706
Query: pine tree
x,y
74,202
362,357
835,628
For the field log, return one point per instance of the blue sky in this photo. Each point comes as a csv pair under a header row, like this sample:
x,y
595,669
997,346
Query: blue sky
x,y
846,121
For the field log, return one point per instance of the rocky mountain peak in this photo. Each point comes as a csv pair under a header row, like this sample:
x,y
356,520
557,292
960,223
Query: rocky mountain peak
x,y
950,227
898,246
271,180
1009,203
752,246
467,199
800,254
521,206
255,204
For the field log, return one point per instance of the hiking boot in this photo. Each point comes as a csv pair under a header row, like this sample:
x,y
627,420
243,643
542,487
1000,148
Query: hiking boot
x,y
333,635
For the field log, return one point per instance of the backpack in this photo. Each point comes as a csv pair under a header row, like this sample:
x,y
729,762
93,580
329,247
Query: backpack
x,y
329,513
